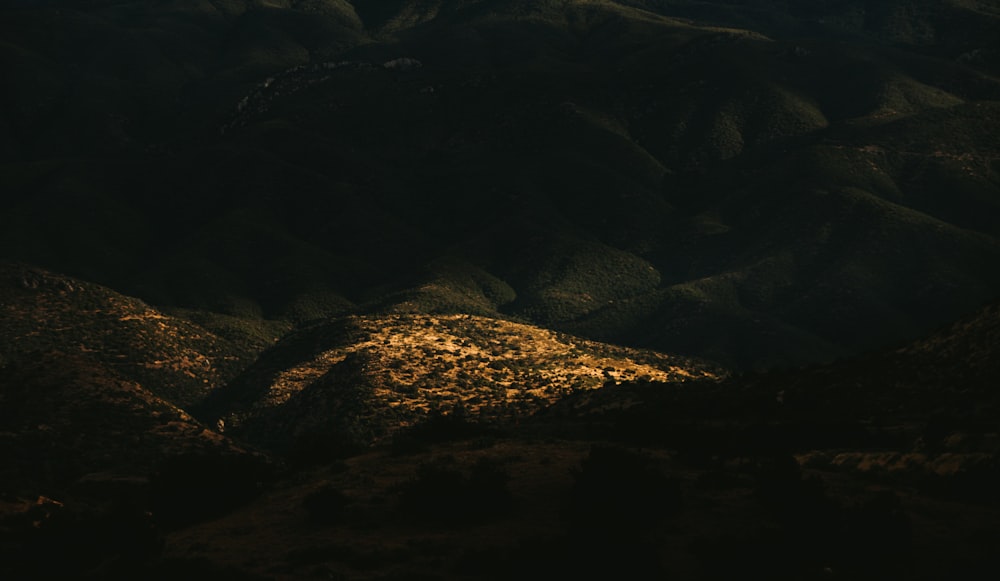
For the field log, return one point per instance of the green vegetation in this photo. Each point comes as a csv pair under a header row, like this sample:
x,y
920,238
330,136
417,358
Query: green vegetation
x,y
640,171
440,492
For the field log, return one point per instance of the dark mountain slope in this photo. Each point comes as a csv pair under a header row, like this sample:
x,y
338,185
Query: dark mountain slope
x,y
780,192
123,76
907,399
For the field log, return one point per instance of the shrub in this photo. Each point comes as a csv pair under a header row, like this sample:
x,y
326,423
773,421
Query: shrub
x,y
616,488
436,428
326,506
878,537
194,487
781,486
51,540
444,493
327,445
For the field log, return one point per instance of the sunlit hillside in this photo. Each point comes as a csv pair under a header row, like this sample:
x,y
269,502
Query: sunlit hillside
x,y
359,380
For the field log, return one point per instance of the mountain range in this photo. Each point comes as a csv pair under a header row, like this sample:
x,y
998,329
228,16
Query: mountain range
x,y
456,289
766,186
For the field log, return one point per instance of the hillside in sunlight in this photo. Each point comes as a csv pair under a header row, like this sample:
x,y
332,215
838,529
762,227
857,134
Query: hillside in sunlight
x,y
881,466
353,382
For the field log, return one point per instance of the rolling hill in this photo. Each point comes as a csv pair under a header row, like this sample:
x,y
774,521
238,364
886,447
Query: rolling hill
x,y
763,186
355,382
875,466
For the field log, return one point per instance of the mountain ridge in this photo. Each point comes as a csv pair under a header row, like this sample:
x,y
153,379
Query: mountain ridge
x,y
615,138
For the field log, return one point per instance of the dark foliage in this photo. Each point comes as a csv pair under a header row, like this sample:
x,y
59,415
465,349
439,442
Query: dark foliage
x,y
197,568
53,541
324,446
878,538
783,487
813,535
977,482
436,428
621,490
326,506
444,493
191,488
766,553
577,555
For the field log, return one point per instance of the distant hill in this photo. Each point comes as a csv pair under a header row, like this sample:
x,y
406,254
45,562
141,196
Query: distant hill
x,y
912,397
758,183
949,376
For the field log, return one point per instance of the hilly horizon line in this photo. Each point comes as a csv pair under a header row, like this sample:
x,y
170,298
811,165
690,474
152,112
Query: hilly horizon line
x,y
746,193
59,298
358,381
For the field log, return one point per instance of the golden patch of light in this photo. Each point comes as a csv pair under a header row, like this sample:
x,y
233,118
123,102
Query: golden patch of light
x,y
419,363
188,362
144,316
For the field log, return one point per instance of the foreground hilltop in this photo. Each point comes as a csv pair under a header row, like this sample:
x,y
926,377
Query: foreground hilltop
x,y
877,467
358,380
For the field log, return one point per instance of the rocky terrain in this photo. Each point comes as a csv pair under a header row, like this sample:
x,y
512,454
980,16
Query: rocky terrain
x,y
499,289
